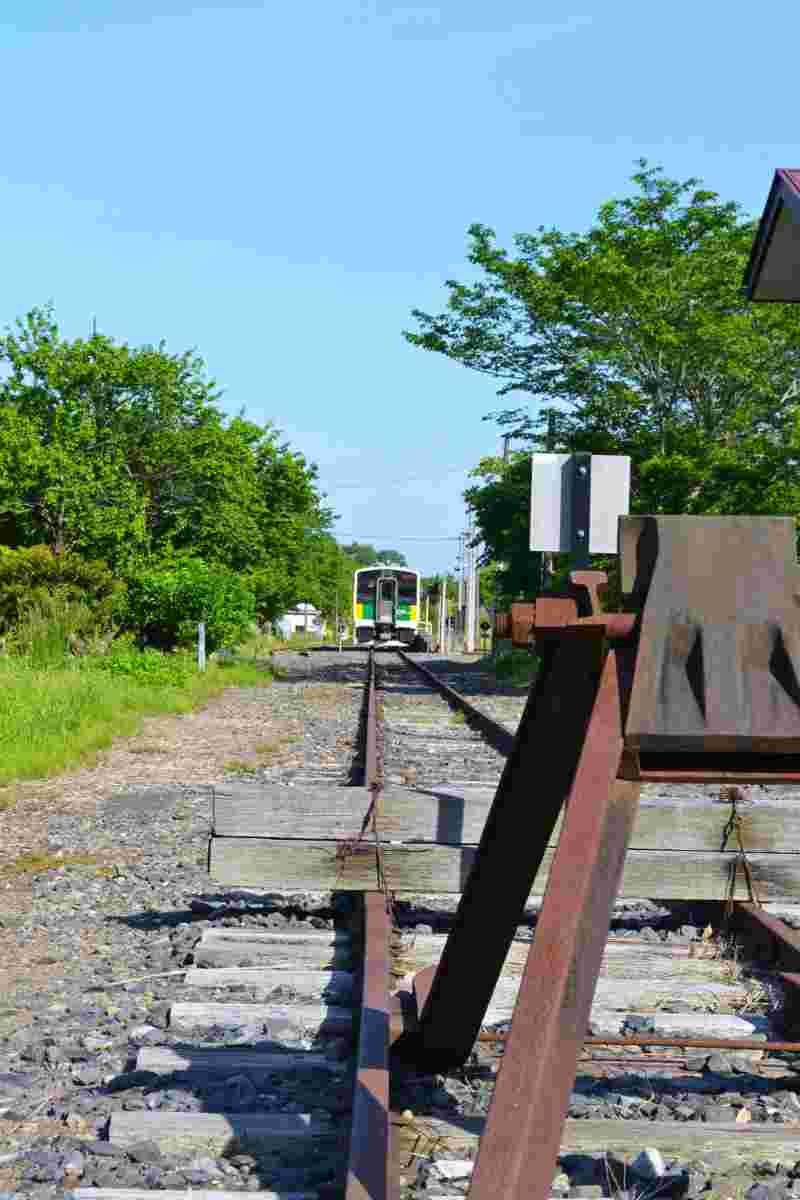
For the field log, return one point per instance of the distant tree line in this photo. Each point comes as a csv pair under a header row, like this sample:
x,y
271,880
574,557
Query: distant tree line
x,y
121,456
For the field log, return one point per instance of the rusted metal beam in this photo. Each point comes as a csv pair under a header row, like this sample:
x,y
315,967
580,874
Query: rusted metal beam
x,y
452,998
369,1168
523,1130
772,937
772,940
487,1035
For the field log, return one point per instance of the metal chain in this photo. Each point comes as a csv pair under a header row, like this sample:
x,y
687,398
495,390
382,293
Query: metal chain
x,y
734,827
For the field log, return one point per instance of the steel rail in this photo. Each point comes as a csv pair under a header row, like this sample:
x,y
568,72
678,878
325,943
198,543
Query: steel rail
x,y
371,764
488,1035
370,1173
495,733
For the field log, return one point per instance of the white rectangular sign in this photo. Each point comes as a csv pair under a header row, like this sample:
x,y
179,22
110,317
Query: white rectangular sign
x,y
610,498
551,502
550,488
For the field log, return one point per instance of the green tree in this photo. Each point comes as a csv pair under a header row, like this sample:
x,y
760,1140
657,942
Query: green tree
x,y
393,557
361,553
164,604
638,334
325,578
123,454
501,502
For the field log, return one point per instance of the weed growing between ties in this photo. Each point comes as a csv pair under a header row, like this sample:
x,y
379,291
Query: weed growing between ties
x,y
57,713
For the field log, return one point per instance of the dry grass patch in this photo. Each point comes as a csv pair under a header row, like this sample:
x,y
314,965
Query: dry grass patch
x,y
237,766
36,862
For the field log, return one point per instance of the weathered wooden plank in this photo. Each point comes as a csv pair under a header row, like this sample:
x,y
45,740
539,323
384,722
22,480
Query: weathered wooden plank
x,y
621,960
630,995
279,811
685,1024
164,1060
277,937
305,985
243,947
658,874
736,1144
455,815
280,1022
213,1132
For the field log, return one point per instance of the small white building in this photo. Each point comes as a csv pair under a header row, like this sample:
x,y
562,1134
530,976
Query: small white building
x,y
303,618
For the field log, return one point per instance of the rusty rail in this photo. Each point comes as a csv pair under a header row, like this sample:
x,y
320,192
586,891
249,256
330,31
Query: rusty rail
x,y
489,1035
370,1174
497,735
371,764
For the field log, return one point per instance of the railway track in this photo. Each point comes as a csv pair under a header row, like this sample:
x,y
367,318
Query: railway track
x,y
703,1079
275,1059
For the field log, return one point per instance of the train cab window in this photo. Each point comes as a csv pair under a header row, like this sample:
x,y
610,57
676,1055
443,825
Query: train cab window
x,y
367,583
407,587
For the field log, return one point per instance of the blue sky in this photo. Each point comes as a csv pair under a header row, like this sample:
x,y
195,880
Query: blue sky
x,y
278,185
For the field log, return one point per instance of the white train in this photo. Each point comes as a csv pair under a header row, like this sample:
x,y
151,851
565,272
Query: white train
x,y
387,607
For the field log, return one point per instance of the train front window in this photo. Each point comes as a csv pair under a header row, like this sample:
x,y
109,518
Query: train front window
x,y
407,587
367,582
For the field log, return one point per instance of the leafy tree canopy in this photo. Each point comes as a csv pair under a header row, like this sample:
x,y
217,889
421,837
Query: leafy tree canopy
x,y
638,334
123,454
361,553
392,556
364,555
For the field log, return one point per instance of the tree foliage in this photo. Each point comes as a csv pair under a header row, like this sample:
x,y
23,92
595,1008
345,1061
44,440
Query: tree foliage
x,y
123,454
33,577
165,603
638,335
364,555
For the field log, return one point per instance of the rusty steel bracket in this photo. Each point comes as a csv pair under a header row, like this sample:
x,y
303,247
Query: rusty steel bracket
x,y
537,779
523,1129
700,680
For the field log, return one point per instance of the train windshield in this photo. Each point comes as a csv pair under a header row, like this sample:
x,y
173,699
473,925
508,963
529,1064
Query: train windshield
x,y
407,587
365,587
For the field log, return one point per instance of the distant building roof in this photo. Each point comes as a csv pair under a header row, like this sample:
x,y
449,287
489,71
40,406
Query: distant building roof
x,y
773,272
303,607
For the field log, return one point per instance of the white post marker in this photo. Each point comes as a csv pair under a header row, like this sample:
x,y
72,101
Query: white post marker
x,y
201,646
565,508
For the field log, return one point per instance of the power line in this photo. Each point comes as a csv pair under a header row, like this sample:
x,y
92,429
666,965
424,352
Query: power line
x,y
380,537
395,482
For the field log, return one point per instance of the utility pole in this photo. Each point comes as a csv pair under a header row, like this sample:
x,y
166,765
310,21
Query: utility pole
x,y
443,614
460,575
469,638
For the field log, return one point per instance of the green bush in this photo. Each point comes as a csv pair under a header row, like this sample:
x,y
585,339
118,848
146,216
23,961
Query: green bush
x,y
144,666
164,603
33,578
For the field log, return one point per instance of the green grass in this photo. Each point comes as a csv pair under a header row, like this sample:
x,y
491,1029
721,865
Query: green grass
x,y
265,644
56,718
